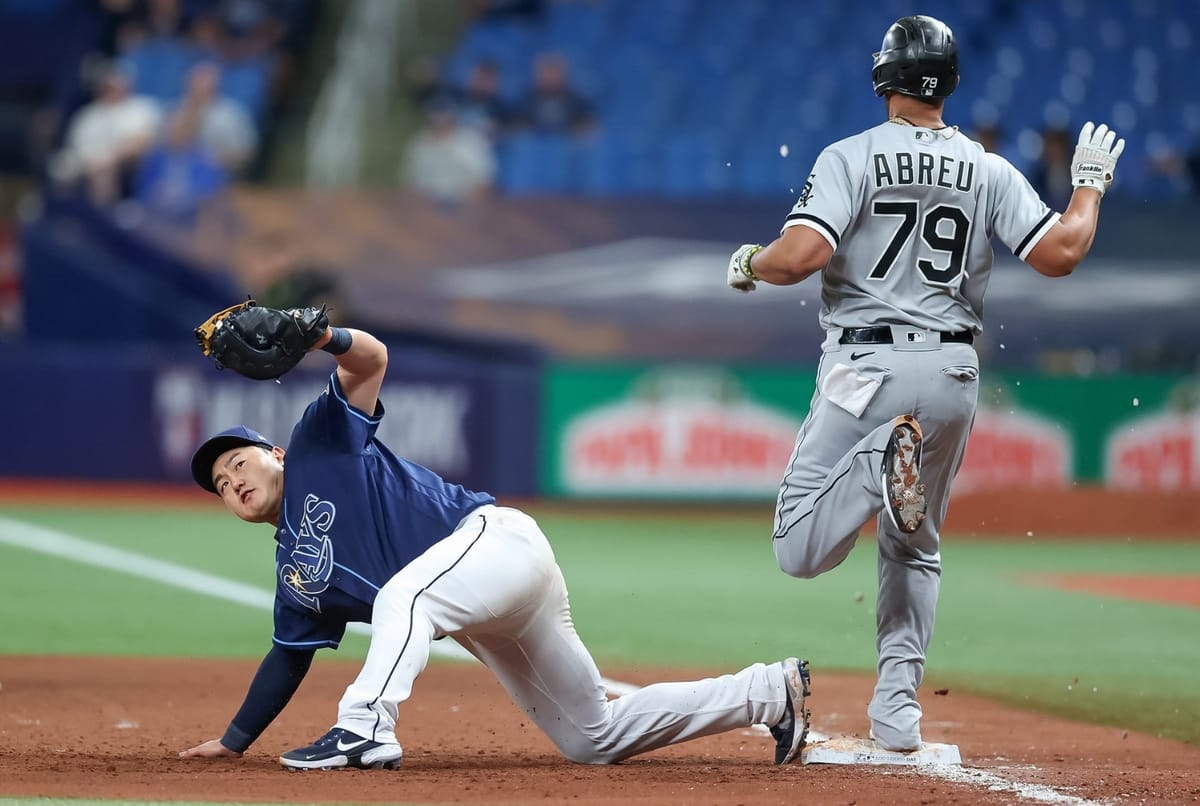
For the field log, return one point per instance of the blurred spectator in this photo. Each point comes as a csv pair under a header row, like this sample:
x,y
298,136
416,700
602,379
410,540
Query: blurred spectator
x,y
225,127
1193,168
179,175
994,140
1169,169
988,136
164,19
119,18
106,138
251,29
207,37
480,106
244,39
552,106
1051,176
425,82
131,24
447,161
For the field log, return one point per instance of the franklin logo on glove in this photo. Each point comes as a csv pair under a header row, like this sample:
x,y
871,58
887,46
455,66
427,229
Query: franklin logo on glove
x,y
1096,157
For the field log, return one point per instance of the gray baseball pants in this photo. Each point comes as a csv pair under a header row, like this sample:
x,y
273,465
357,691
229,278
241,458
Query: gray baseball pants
x,y
833,486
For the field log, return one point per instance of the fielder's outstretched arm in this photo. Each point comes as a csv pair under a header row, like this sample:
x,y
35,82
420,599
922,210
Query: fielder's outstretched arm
x,y
278,677
362,363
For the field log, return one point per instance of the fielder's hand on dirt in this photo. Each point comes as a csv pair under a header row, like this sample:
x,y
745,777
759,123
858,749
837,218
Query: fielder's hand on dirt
x,y
210,749
1095,157
740,277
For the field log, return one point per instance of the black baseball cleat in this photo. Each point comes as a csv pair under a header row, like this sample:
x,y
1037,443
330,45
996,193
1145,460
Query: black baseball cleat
x,y
791,731
340,749
903,492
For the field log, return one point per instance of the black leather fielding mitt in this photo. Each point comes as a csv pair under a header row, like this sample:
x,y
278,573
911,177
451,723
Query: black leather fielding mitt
x,y
260,343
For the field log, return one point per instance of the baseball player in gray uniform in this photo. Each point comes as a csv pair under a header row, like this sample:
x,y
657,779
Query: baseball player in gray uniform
x,y
899,220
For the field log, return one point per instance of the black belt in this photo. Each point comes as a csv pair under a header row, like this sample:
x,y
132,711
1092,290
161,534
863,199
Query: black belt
x,y
883,335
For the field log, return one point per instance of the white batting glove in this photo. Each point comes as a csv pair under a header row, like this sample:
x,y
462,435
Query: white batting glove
x,y
1095,157
741,278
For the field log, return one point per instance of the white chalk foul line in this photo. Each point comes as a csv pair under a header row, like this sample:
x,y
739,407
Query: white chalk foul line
x,y
1038,793
59,544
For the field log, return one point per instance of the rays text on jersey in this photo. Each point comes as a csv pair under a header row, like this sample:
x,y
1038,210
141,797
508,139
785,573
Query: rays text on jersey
x,y
942,171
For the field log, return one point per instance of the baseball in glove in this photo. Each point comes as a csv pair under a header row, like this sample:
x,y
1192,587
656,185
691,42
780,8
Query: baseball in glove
x,y
260,343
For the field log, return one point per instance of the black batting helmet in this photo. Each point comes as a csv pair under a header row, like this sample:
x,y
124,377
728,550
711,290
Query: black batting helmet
x,y
918,57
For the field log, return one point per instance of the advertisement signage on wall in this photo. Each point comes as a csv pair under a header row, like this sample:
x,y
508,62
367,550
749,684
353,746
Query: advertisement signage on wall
x,y
139,416
1013,449
425,422
668,430
587,430
724,433
1159,450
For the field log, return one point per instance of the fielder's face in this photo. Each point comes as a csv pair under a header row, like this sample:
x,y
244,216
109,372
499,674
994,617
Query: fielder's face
x,y
249,480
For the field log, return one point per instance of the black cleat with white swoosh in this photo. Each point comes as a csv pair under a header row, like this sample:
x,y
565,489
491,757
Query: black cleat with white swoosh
x,y
340,749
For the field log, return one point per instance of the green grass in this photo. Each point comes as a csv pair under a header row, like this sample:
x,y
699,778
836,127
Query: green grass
x,y
87,610
656,590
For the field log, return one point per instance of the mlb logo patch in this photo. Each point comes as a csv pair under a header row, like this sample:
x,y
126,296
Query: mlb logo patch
x,y
924,136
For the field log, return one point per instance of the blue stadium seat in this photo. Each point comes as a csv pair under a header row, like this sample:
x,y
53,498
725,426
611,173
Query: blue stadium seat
x,y
679,81
693,166
534,163
758,170
661,23
248,82
601,167
510,44
580,24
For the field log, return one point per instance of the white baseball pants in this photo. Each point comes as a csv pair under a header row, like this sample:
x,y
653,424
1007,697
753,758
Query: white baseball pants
x,y
495,587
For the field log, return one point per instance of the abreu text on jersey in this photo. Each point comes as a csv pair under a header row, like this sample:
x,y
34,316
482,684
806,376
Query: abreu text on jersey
x,y
898,169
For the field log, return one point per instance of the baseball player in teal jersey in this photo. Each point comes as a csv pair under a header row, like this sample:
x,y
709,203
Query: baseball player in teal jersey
x,y
365,535
899,220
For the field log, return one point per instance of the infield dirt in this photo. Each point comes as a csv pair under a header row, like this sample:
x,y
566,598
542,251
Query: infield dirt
x,y
111,728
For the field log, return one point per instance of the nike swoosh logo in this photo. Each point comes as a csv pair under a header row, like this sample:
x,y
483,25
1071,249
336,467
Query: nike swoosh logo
x,y
351,746
856,356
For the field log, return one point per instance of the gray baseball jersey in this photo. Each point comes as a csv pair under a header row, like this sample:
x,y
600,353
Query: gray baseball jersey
x,y
910,213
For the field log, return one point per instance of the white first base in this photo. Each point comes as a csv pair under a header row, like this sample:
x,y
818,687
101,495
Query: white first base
x,y
852,750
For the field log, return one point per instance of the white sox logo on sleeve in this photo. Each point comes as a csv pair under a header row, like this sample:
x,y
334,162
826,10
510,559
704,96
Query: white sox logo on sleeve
x,y
307,575
806,192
